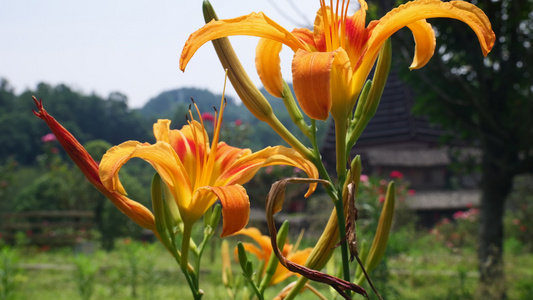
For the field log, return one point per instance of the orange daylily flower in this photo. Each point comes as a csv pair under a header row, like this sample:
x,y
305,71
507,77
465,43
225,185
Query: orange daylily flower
x,y
134,210
197,173
332,62
265,250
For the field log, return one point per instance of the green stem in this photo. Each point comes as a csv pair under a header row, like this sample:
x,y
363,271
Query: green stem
x,y
316,159
191,278
300,283
294,111
340,138
199,254
185,247
339,205
288,137
257,291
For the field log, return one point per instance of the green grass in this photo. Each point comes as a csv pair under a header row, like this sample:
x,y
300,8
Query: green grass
x,y
425,271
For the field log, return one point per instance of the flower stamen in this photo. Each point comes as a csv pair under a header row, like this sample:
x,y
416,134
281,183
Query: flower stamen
x,y
200,157
209,166
327,28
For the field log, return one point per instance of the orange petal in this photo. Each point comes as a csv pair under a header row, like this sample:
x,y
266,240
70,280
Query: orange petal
x,y
268,65
243,169
311,74
300,256
226,156
262,240
190,144
418,10
235,207
202,199
160,155
321,82
306,37
112,162
254,24
343,94
161,130
74,149
415,11
356,34
424,43
132,209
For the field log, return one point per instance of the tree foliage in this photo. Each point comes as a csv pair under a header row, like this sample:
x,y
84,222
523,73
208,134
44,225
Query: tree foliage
x,y
487,103
88,117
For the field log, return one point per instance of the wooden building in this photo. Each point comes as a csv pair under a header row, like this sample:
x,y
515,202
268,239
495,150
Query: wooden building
x,y
395,140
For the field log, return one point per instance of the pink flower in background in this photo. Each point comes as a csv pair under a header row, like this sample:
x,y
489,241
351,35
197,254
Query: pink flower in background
x,y
206,116
363,178
54,150
449,244
48,138
470,214
269,169
516,221
381,199
396,174
411,192
238,122
458,215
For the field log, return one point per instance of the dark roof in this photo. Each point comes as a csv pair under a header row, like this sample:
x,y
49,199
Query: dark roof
x,y
408,157
443,200
394,122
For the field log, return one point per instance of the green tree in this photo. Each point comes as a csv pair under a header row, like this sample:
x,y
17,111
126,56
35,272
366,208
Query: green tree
x,y
88,117
487,103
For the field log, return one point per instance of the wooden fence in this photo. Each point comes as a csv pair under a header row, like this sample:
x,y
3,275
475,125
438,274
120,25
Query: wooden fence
x,y
47,228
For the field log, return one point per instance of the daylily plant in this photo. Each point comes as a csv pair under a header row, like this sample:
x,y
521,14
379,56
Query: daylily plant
x,y
198,173
332,62
330,67
194,172
264,251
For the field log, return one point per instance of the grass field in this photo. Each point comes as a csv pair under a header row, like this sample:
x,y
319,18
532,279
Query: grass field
x,y
426,270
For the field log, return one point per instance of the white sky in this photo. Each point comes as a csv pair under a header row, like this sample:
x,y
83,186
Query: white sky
x,y
130,46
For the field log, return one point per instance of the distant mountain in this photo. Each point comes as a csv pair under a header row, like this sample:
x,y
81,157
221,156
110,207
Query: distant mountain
x,y
167,103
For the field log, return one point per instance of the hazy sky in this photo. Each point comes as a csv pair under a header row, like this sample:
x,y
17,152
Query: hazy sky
x,y
130,46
